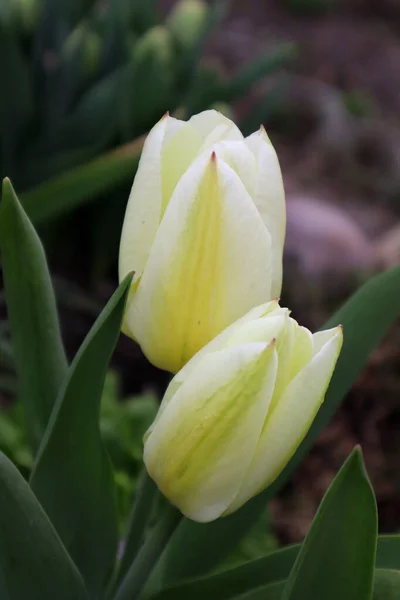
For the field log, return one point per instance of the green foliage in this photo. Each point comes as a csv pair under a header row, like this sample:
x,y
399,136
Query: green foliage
x,y
34,563
123,422
83,77
122,425
341,541
37,346
269,574
59,534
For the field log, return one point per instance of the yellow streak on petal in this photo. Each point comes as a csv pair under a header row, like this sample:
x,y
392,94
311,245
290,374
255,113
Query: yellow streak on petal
x,y
194,281
199,437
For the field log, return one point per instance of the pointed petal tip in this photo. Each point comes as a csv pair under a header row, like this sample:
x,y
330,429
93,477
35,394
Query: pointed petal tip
x,y
165,115
213,156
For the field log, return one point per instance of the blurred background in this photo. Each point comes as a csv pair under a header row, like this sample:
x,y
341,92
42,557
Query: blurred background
x,y
82,81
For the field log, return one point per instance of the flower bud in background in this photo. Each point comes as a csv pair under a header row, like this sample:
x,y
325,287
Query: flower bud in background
x,y
186,21
156,44
233,417
86,44
204,231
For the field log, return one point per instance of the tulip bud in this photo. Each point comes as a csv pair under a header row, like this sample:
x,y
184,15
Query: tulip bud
x,y
155,44
187,21
233,417
204,231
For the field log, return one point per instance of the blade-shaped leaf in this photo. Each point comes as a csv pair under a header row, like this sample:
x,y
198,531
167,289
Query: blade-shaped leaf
x,y
265,64
33,561
272,591
272,568
386,585
388,552
38,350
337,557
77,186
366,317
73,478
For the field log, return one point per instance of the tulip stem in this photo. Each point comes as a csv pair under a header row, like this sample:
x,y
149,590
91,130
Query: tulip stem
x,y
148,555
144,502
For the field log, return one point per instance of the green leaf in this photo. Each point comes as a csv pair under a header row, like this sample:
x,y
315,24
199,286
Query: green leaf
x,y
230,583
272,591
337,557
262,572
80,135
38,350
388,552
78,186
366,317
386,585
73,477
33,562
263,65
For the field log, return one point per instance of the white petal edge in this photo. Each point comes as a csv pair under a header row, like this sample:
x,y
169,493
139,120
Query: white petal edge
x,y
142,216
289,423
269,197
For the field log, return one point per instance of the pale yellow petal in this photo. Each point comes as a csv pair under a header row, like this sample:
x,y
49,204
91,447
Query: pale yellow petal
x,y
287,425
180,148
269,198
200,448
143,211
208,266
302,350
213,127
238,156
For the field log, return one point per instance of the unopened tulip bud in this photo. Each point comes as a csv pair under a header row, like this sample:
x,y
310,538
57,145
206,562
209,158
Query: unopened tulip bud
x,y
204,231
233,417
186,21
155,44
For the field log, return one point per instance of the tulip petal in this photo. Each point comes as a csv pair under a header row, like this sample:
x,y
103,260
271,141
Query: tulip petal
x,y
287,424
143,211
178,152
238,156
247,329
269,198
302,349
200,449
220,342
208,266
213,127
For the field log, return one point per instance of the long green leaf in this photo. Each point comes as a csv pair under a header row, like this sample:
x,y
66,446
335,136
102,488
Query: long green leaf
x,y
263,572
73,477
38,350
33,562
337,557
78,186
265,64
366,317
386,585
272,591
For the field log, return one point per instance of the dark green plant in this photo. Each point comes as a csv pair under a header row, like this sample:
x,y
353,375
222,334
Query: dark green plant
x,y
84,75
